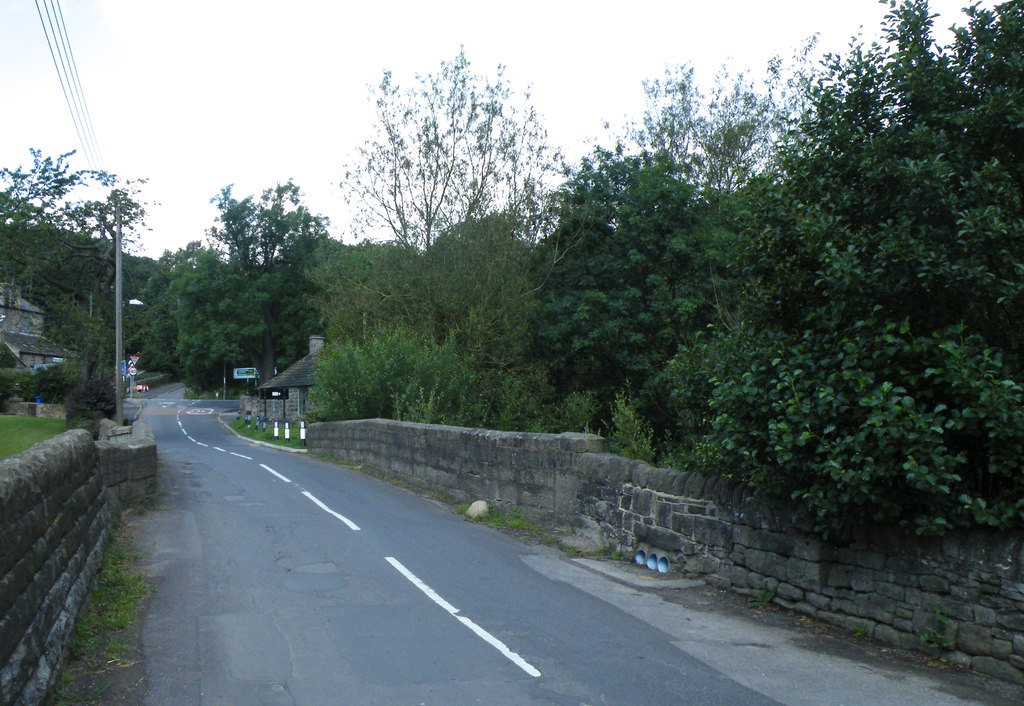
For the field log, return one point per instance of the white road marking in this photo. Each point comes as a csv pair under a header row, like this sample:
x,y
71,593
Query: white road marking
x,y
415,580
219,449
190,438
271,470
479,631
350,523
200,410
184,432
202,444
247,458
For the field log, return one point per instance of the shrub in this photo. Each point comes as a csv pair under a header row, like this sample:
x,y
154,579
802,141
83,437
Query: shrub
x,y
54,382
879,424
90,401
396,375
630,434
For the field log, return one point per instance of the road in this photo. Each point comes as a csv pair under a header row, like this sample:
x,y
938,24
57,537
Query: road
x,y
285,579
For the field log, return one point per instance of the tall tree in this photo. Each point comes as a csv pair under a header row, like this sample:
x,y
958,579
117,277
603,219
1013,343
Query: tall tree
x,y
261,252
637,278
57,240
722,138
453,149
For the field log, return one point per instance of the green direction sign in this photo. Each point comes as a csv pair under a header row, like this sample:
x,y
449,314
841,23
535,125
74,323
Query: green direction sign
x,y
245,373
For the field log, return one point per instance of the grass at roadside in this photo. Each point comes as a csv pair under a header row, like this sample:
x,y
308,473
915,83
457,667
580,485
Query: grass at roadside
x,y
106,637
268,435
19,433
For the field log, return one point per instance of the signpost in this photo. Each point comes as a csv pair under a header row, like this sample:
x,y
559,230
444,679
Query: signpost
x,y
133,370
246,374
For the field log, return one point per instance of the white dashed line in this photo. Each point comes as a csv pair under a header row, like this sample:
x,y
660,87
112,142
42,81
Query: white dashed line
x,y
247,458
271,470
202,444
351,525
479,631
219,449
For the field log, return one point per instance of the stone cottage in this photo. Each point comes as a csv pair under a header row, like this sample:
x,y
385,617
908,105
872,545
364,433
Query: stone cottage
x,y
21,329
286,395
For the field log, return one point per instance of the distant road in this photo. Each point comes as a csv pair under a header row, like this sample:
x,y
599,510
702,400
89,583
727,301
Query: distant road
x,y
285,579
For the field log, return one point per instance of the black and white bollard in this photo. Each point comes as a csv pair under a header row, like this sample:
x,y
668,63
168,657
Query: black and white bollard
x,y
287,433
302,432
275,430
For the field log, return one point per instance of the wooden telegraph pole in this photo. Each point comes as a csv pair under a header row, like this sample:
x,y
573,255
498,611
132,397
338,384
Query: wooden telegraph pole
x,y
118,331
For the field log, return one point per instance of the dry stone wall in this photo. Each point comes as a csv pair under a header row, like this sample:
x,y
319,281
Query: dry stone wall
x,y
534,473
961,595
58,502
55,521
127,461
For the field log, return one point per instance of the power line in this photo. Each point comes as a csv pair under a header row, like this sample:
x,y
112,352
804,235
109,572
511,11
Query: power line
x,y
67,73
78,83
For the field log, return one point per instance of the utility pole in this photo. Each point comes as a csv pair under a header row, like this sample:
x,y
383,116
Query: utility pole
x,y
118,332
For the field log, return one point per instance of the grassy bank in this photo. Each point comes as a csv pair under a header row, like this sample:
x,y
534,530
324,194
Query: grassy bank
x,y
268,435
19,433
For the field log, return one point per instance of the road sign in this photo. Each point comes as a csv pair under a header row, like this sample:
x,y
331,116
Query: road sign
x,y
245,373
133,360
132,370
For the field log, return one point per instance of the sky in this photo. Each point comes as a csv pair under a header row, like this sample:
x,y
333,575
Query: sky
x,y
196,95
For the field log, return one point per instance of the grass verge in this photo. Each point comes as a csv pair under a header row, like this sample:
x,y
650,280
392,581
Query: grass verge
x,y
268,436
19,433
105,643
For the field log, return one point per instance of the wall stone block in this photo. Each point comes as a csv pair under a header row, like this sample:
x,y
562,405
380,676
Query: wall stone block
x,y
55,515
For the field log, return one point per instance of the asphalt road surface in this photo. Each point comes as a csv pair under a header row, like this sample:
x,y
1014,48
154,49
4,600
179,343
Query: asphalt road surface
x,y
285,579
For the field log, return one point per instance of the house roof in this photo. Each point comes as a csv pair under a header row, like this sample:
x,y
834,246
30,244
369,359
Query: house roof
x,y
31,344
302,373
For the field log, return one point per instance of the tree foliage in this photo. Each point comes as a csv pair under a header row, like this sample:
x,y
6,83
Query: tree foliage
x,y
248,296
720,139
453,149
56,242
474,285
634,277
884,378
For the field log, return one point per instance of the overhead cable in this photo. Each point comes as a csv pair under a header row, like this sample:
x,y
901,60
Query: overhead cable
x,y
67,72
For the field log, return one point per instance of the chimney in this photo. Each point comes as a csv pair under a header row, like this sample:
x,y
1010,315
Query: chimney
x,y
316,344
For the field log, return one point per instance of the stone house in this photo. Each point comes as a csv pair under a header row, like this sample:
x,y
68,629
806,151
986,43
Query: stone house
x,y
286,395
21,328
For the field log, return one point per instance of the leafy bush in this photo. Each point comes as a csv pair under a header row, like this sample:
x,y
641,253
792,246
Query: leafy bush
x,y
879,424
630,436
90,401
396,375
14,381
879,375
53,383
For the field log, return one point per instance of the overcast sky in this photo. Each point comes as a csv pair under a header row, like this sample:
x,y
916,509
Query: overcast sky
x,y
194,95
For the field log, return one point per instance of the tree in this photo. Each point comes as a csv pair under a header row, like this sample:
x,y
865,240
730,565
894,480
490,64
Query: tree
x,y
722,139
58,245
885,380
453,149
248,295
474,285
637,279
